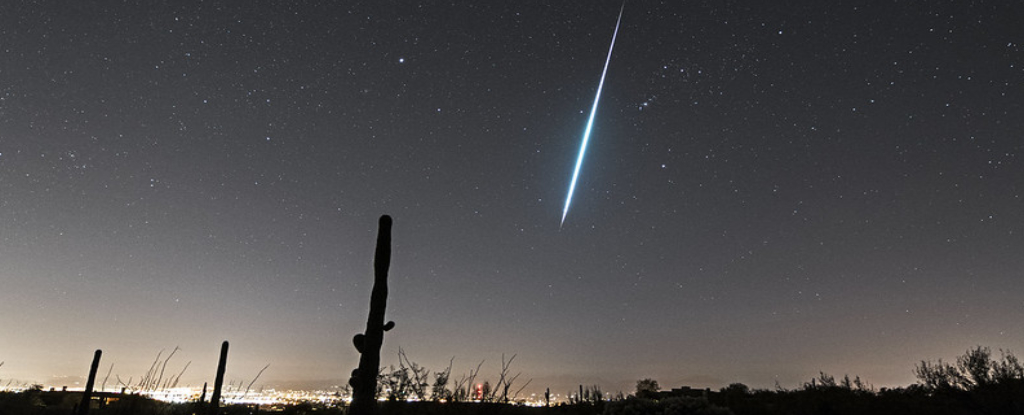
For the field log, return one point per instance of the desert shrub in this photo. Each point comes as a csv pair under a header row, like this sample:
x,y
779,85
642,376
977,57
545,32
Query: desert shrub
x,y
668,406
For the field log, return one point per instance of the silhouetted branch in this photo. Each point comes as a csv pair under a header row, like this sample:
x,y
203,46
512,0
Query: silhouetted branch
x,y
103,386
145,381
417,375
178,378
254,380
164,366
516,394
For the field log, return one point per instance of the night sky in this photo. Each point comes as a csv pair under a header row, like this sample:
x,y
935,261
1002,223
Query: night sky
x,y
771,189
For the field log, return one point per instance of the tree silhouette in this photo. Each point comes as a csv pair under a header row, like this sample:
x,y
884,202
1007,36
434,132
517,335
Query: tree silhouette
x,y
647,388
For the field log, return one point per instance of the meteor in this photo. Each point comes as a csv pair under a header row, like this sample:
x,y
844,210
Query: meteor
x,y
590,122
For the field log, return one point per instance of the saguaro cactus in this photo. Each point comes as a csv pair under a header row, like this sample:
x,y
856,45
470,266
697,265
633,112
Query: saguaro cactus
x,y
364,378
219,382
83,407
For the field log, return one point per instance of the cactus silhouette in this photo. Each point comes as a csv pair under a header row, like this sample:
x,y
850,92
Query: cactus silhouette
x,y
364,378
83,407
200,403
219,382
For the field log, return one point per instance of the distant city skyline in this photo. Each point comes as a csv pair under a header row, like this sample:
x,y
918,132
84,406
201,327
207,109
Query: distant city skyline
x,y
769,190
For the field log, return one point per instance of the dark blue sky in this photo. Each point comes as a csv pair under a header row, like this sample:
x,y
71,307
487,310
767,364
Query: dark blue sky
x,y
771,189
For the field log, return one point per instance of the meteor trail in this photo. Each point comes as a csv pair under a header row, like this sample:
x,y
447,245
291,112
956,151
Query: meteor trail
x,y
590,122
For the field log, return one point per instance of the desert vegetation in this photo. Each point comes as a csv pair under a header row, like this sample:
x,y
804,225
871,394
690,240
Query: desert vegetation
x,y
976,382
